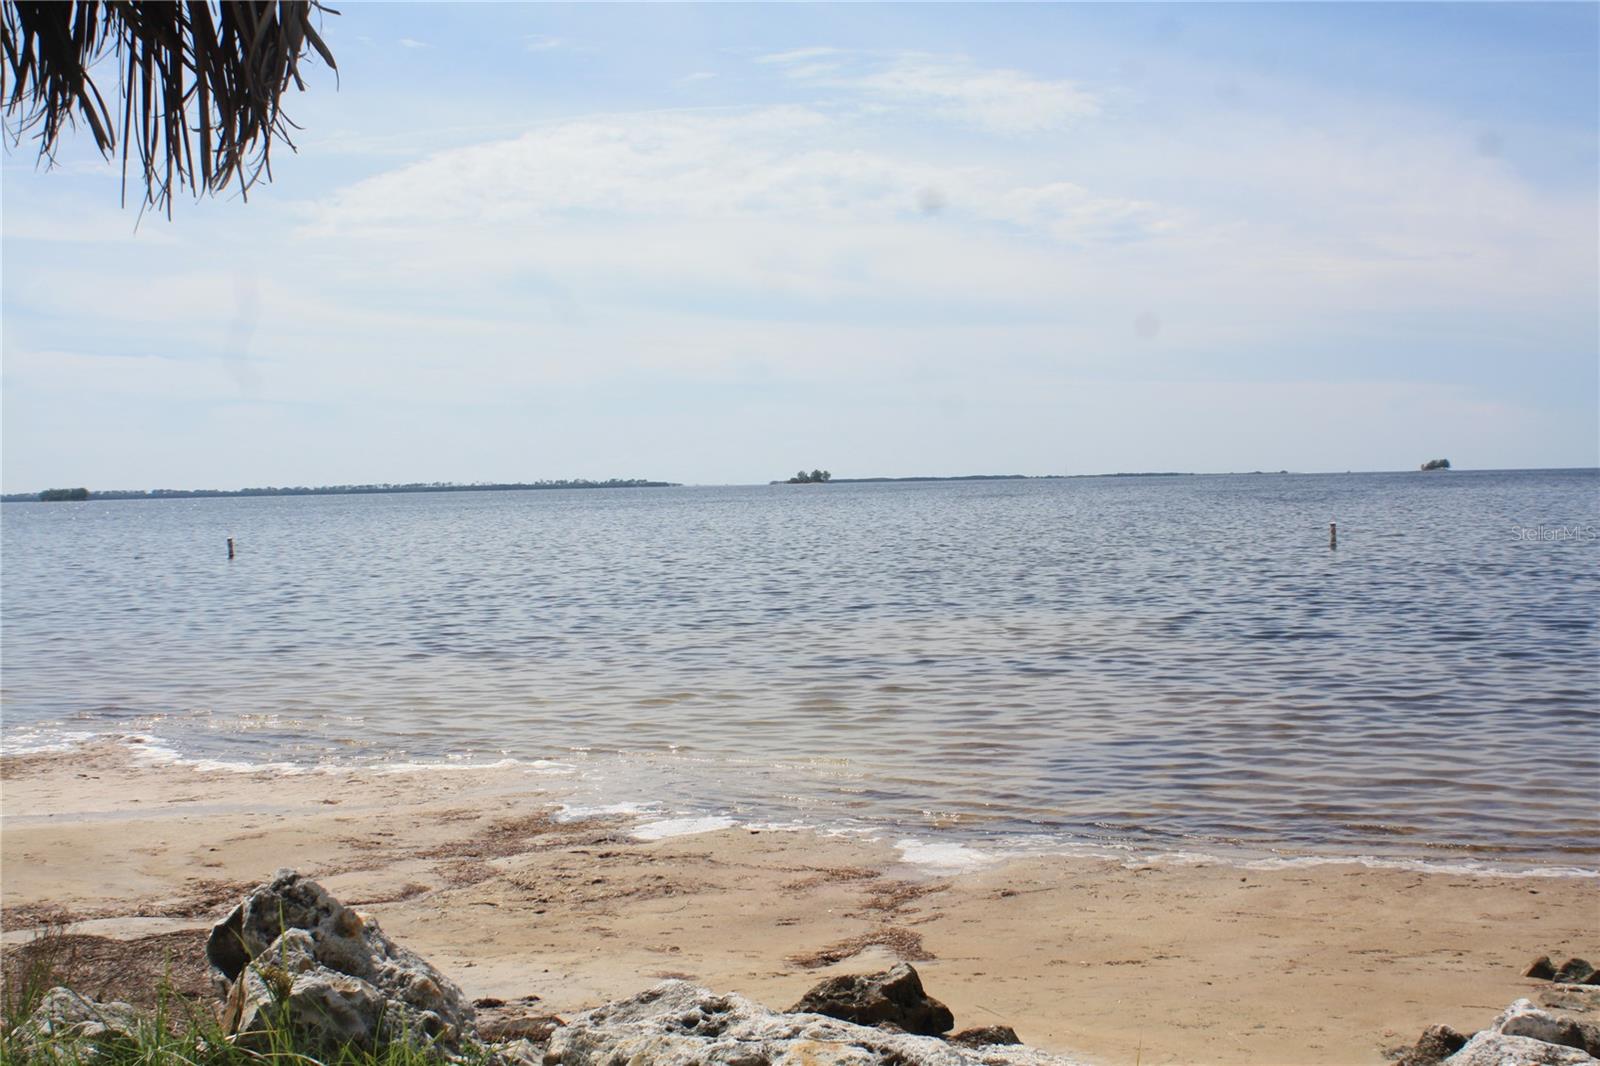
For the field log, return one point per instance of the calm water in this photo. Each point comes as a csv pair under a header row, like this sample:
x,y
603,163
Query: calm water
x,y
1174,663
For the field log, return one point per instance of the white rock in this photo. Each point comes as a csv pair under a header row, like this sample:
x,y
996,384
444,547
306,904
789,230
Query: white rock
x,y
1524,1019
1490,1048
290,946
680,1024
63,1014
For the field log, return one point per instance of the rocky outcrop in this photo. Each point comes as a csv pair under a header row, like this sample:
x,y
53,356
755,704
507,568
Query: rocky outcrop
x,y
291,954
894,997
680,1024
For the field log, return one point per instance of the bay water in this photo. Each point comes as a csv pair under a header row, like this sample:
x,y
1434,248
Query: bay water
x,y
1171,665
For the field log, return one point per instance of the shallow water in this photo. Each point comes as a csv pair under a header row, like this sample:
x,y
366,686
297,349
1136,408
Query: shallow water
x,y
1171,663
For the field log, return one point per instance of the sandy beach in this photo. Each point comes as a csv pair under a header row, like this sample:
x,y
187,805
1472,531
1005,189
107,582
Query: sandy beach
x,y
1112,961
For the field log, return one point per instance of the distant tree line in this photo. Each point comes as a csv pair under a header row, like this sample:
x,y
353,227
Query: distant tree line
x,y
333,490
816,477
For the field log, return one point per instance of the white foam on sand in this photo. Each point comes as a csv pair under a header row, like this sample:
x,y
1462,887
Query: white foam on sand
x,y
151,750
681,827
944,857
1457,867
577,812
39,741
432,767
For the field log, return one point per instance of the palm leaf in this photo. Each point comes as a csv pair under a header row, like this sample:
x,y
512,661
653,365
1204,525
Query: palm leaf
x,y
206,71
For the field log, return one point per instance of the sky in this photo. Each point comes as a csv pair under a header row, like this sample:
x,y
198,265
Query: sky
x,y
716,244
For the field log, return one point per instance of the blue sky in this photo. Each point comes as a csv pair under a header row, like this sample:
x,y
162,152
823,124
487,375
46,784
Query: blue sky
x,y
715,244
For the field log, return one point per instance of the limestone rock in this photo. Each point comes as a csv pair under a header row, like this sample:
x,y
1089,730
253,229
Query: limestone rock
x,y
290,952
1522,1018
894,997
678,1024
1490,1048
63,1014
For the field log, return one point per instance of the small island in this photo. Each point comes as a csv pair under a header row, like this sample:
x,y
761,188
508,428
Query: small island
x,y
816,477
63,495
1436,464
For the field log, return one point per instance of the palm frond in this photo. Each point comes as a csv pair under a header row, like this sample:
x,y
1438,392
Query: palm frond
x,y
212,72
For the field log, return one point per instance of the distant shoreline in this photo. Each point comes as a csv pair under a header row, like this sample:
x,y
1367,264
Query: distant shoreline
x,y
957,477
632,483
352,490
988,477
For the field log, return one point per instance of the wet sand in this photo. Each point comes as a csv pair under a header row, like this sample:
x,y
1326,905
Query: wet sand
x,y
1111,961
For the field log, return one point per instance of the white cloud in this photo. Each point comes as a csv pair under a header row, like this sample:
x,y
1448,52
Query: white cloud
x,y
537,42
767,164
412,42
1270,236
999,99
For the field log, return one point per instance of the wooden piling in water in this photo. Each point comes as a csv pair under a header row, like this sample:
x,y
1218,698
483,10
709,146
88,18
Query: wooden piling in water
x,y
230,549
1333,535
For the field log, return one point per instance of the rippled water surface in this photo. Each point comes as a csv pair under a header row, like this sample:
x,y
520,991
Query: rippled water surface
x,y
1171,662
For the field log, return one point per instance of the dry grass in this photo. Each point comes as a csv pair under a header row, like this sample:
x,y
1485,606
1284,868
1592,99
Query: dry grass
x,y
101,968
903,943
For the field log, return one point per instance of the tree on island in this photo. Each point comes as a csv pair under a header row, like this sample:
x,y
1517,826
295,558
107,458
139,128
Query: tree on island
x,y
207,70
58,495
816,477
1436,464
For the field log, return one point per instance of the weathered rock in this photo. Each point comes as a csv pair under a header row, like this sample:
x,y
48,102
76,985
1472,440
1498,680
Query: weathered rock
x,y
1489,1048
293,954
894,997
985,1035
678,1024
1541,969
1437,1043
64,1015
1576,972
1522,1018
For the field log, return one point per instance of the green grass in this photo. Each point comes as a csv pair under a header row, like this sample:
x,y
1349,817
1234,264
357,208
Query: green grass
x,y
191,1036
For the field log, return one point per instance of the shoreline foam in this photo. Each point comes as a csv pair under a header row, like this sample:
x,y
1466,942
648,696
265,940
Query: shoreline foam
x,y
940,852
